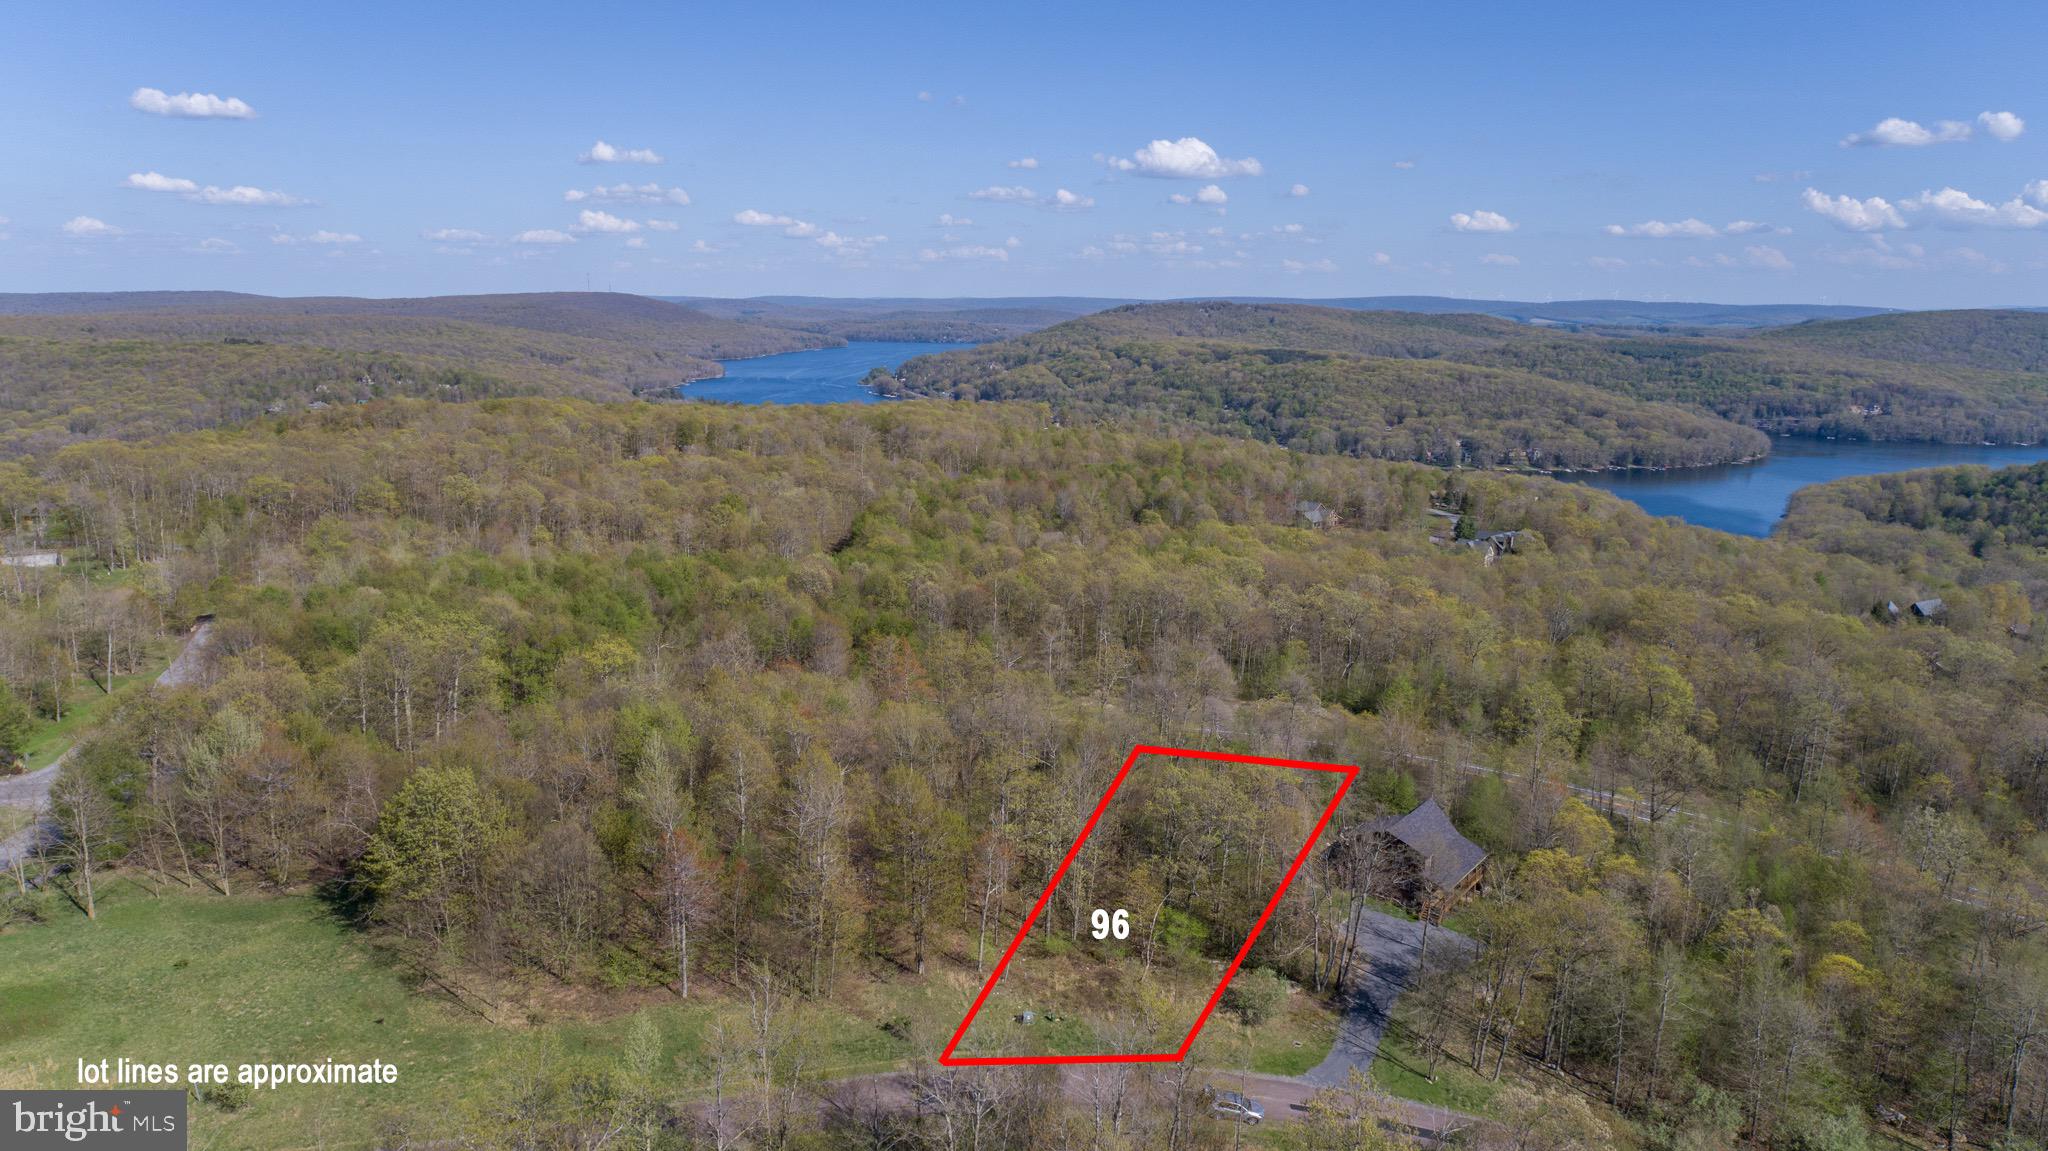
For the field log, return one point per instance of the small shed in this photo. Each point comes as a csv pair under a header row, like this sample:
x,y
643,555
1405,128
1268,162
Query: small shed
x,y
40,559
1929,609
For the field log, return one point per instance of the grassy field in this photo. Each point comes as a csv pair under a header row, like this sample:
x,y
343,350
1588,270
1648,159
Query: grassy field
x,y
189,978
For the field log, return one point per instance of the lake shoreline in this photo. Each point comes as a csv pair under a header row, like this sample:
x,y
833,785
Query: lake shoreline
x,y
1750,499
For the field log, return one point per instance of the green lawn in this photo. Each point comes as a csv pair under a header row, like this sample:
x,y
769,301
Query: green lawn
x,y
193,977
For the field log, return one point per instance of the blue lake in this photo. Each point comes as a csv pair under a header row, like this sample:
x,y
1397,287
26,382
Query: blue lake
x,y
1749,499
819,376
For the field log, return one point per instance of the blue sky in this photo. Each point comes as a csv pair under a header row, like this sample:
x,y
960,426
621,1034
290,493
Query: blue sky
x,y
1865,153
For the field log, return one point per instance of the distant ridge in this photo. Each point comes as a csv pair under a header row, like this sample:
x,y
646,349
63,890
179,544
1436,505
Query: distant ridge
x,y
1555,313
857,317
1598,313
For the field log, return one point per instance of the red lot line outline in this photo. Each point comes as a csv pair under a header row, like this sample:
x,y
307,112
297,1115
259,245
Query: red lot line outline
x,y
1349,772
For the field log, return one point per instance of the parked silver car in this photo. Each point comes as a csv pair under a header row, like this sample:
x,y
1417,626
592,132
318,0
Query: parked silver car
x,y
1236,1108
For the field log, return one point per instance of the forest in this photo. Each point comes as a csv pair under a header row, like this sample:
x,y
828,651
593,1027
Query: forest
x,y
1431,410
792,709
1952,377
71,369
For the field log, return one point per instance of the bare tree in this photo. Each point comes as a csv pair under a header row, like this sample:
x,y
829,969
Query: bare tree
x,y
87,820
686,892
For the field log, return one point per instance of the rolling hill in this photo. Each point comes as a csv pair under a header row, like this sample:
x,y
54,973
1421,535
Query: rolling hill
x,y
135,364
1880,377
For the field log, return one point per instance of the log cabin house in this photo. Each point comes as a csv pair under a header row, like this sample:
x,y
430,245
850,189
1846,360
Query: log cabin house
x,y
1417,860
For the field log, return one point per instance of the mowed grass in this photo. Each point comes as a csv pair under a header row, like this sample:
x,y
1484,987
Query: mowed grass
x,y
199,978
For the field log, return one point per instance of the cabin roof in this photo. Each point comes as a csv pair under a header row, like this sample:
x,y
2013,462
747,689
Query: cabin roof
x,y
1447,857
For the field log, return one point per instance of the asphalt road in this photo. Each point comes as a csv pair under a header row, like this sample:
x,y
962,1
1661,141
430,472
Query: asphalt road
x,y
32,790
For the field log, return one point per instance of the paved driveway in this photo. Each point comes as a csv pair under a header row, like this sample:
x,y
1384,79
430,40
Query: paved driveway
x,y
1392,947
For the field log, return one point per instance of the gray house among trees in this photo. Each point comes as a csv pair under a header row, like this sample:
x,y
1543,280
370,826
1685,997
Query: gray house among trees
x,y
1418,860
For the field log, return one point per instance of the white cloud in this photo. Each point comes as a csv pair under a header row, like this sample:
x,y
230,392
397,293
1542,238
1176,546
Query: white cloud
x,y
240,195
158,182
2001,125
849,245
1004,194
1404,165
629,194
1897,133
1957,208
1187,158
1212,194
1765,256
1298,266
663,225
790,225
1289,229
330,239
1746,227
1019,194
190,105
1688,228
215,246
637,242
590,221
543,236
1382,259
924,97
454,236
603,153
1606,263
1481,221
1027,163
1298,191
88,226
1500,259
3,228
1871,215
244,196
965,252
949,220
2038,193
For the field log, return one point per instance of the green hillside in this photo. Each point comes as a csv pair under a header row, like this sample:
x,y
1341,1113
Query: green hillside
x,y
1883,377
